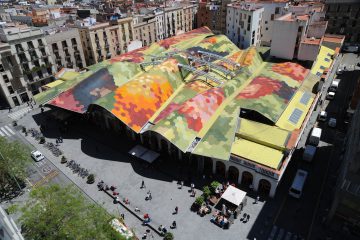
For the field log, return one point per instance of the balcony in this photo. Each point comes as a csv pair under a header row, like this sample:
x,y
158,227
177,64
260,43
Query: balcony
x,y
65,47
19,50
78,60
41,47
55,50
77,53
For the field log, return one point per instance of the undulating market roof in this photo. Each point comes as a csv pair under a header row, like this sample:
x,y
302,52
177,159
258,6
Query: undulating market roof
x,y
191,89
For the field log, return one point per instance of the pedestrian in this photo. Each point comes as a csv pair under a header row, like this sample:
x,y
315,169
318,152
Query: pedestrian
x,y
42,110
28,103
145,235
143,184
176,210
174,224
9,109
257,199
137,209
192,186
251,186
122,216
181,184
150,197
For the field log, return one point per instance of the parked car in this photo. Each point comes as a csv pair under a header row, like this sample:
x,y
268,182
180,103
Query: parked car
x,y
322,116
351,49
330,95
332,122
37,155
339,71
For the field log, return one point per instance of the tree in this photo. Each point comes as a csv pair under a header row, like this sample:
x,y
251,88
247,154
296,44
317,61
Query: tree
x,y
55,212
168,236
14,159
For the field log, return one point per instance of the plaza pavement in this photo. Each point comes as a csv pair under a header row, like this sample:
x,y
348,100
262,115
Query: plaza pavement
x,y
97,150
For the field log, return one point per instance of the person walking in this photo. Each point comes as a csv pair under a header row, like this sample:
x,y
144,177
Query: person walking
x,y
257,199
176,210
122,216
174,224
142,184
181,184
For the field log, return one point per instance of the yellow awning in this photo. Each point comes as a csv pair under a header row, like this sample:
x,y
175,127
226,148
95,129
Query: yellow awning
x,y
258,153
323,61
53,84
69,75
267,135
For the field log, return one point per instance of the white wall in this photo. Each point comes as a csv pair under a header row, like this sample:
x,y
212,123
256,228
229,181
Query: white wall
x,y
284,39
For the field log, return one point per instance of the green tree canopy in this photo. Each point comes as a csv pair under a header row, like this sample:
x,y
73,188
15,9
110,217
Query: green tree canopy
x,y
55,212
14,159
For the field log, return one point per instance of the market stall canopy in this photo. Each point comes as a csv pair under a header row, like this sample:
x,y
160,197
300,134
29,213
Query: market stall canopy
x,y
144,153
234,195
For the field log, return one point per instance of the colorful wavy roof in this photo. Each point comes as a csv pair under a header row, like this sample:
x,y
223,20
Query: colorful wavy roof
x,y
190,109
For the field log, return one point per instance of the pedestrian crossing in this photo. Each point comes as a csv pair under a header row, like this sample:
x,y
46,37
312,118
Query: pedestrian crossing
x,y
6,131
20,113
278,233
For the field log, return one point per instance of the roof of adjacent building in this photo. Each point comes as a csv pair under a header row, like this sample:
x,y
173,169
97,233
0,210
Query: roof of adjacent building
x,y
193,111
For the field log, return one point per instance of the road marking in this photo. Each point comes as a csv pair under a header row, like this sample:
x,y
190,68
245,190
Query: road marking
x,y
26,179
9,129
45,179
3,129
321,189
2,134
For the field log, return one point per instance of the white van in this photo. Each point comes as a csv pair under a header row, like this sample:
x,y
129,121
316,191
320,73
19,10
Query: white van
x,y
322,116
334,85
298,183
315,136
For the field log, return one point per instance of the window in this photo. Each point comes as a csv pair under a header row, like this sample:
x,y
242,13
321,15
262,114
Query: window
x,y
1,68
295,115
266,22
277,10
305,98
266,29
6,79
11,90
272,17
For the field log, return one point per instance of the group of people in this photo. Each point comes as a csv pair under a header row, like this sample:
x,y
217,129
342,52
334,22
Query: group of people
x,y
220,220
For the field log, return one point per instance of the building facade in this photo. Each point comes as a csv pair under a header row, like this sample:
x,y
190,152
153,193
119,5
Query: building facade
x,y
8,228
213,15
105,40
243,24
29,62
344,18
145,31
66,48
178,20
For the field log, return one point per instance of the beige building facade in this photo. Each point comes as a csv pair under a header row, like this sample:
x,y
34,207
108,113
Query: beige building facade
x,y
105,40
66,49
26,61
178,20
145,31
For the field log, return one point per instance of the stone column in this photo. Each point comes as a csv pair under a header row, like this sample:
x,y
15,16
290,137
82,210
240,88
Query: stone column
x,y
256,179
240,177
141,139
180,154
272,190
200,164
159,143
213,166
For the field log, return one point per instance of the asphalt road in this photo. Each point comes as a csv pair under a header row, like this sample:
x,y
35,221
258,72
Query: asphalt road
x,y
299,216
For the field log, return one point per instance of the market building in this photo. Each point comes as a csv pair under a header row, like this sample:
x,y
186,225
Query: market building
x,y
202,100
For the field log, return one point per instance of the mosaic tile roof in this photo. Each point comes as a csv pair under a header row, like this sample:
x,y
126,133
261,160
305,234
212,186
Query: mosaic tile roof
x,y
187,106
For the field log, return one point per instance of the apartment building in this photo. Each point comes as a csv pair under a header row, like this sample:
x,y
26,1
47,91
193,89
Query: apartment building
x,y
105,40
28,64
179,19
272,10
243,24
159,22
344,18
298,34
212,13
65,47
145,29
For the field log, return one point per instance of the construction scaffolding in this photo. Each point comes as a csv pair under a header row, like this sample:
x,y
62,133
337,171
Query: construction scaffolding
x,y
200,72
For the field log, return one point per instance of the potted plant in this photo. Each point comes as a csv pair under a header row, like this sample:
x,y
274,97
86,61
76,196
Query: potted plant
x,y
206,192
63,159
214,185
197,204
91,179
168,236
42,140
